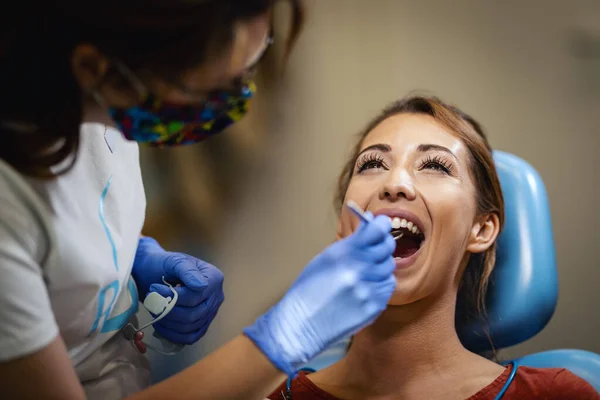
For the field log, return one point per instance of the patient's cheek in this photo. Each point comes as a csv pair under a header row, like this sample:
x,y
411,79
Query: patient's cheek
x,y
345,226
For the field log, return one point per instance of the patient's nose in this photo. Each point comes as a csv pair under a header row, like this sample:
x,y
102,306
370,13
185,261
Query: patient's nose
x,y
397,187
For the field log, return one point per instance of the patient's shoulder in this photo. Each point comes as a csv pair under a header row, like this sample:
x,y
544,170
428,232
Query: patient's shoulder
x,y
549,383
528,383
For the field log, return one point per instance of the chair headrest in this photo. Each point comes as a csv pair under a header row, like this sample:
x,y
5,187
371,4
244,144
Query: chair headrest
x,y
523,288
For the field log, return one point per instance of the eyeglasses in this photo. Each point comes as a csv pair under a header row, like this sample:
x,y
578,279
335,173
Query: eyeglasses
x,y
238,81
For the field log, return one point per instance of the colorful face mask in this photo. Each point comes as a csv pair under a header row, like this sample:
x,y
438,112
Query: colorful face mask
x,y
162,124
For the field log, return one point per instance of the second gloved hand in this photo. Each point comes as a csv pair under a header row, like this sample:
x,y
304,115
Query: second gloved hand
x,y
200,291
341,290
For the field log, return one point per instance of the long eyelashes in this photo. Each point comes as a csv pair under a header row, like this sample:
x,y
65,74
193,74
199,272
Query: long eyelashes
x,y
437,163
431,162
370,161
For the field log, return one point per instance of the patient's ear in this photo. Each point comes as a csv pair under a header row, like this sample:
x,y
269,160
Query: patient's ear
x,y
484,232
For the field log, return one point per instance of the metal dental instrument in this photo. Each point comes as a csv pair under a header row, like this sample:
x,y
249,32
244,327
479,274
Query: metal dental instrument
x,y
355,208
397,235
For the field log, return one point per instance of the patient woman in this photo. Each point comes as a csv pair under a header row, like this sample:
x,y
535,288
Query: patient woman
x,y
429,167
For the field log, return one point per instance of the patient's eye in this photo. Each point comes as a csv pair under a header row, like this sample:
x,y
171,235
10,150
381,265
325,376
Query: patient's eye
x,y
437,163
370,161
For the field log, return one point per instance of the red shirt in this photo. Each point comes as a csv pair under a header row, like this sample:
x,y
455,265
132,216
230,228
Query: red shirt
x,y
528,383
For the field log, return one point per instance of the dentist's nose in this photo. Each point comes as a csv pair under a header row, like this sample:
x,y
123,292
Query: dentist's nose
x,y
398,186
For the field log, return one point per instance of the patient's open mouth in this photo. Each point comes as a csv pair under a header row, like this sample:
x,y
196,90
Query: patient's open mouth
x,y
408,237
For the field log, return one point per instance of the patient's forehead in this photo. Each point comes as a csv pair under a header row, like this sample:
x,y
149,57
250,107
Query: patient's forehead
x,y
409,130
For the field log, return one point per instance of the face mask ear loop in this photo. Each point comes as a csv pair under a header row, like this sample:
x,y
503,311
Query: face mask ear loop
x,y
137,85
98,98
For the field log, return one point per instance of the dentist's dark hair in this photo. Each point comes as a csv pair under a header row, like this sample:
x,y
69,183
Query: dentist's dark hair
x,y
41,102
470,305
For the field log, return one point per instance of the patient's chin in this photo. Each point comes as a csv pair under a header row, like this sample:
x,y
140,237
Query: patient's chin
x,y
403,296
412,286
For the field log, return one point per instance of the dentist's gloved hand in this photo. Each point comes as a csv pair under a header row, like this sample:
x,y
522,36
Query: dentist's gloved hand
x,y
200,295
341,290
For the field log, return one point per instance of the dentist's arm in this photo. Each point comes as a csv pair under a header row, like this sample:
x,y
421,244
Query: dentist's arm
x,y
342,290
238,370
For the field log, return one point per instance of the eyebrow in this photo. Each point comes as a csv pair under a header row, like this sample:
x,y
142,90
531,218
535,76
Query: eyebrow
x,y
384,148
424,148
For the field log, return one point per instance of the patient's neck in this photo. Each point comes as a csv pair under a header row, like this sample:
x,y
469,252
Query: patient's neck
x,y
411,336
406,345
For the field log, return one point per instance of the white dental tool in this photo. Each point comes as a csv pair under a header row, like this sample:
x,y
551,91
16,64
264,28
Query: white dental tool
x,y
355,208
160,306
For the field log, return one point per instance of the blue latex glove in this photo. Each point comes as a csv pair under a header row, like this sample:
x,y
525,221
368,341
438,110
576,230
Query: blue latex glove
x,y
199,298
341,291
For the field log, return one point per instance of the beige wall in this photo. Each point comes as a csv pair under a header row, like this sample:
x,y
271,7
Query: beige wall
x,y
507,63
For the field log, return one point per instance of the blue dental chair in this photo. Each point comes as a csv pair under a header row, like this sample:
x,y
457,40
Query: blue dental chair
x,y
524,289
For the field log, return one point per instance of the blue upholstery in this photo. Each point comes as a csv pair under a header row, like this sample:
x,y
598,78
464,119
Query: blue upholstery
x,y
523,290
524,285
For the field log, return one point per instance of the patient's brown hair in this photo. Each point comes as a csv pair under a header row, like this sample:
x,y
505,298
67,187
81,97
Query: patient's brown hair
x,y
475,279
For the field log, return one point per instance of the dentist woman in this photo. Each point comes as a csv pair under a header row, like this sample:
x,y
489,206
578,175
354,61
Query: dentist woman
x,y
81,84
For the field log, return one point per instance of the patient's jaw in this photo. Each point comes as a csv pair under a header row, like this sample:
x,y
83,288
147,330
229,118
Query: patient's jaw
x,y
412,166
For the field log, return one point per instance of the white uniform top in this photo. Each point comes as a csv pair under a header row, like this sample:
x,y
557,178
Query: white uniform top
x,y
66,251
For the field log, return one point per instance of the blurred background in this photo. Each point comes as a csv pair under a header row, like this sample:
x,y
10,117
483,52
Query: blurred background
x,y
257,201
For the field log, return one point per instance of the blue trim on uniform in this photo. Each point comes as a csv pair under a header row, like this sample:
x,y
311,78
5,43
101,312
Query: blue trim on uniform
x,y
118,322
105,225
101,311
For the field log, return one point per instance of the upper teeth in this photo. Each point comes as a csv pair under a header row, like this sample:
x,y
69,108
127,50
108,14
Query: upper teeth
x,y
398,223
